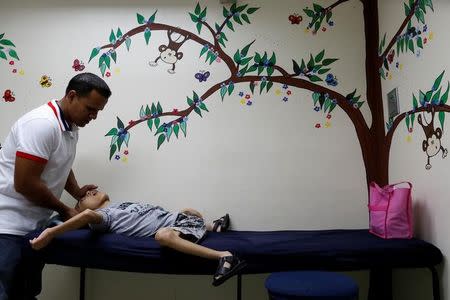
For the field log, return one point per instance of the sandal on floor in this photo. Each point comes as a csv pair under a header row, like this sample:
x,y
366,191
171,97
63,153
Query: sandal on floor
x,y
235,265
223,223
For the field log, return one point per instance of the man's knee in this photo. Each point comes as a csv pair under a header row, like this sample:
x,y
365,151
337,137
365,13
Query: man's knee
x,y
165,236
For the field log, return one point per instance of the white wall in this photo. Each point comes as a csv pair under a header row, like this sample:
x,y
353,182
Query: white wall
x,y
407,158
266,164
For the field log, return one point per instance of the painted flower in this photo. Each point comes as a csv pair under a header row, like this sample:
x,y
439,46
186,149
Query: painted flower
x,y
317,125
264,79
278,92
108,74
14,70
285,99
218,59
331,23
430,36
285,86
288,92
425,40
249,102
124,159
408,138
317,108
410,130
327,124
125,152
117,157
324,29
11,62
242,101
241,94
328,116
425,27
247,96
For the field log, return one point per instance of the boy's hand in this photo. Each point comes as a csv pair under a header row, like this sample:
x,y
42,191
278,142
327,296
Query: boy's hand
x,y
42,240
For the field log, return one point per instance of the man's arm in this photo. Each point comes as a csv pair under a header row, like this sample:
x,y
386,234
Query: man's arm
x,y
28,182
82,219
74,189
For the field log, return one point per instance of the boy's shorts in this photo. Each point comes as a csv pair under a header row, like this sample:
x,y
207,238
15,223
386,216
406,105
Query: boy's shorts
x,y
192,228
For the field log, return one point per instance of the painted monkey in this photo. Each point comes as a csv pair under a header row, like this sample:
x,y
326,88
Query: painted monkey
x,y
169,53
431,145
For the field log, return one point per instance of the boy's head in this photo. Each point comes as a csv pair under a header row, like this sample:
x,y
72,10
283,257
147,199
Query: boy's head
x,y
93,200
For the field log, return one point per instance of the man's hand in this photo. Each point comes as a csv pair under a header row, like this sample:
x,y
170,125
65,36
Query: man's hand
x,y
42,240
68,213
83,190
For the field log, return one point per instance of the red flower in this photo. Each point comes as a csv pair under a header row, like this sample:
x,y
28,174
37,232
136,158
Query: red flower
x,y
324,29
425,40
317,125
125,152
288,93
247,96
14,70
410,129
108,74
328,116
11,62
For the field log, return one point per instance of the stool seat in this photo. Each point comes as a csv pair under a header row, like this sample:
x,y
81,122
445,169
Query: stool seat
x,y
311,285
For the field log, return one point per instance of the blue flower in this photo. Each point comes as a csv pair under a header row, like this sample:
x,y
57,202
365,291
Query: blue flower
x,y
285,86
249,102
241,94
317,108
264,79
117,157
285,99
331,23
425,28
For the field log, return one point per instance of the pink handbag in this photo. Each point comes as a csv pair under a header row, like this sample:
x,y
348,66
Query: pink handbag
x,y
390,210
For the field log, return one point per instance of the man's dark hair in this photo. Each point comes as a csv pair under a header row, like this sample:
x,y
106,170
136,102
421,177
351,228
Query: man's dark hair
x,y
84,83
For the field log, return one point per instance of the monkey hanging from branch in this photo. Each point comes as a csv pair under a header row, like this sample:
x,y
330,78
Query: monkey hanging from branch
x,y
431,145
169,53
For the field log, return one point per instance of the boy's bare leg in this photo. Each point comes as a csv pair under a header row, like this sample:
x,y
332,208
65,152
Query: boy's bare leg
x,y
170,238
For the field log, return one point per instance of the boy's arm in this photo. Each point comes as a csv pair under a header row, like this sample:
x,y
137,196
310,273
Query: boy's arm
x,y
82,219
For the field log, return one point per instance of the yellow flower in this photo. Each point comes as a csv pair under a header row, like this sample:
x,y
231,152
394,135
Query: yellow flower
x,y
408,138
390,76
400,66
21,72
242,101
306,30
327,124
124,159
430,36
117,70
278,92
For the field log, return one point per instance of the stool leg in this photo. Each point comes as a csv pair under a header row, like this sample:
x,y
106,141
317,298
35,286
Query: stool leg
x,y
380,287
436,288
239,287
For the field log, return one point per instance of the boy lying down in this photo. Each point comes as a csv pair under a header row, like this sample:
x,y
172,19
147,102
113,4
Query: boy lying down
x,y
179,231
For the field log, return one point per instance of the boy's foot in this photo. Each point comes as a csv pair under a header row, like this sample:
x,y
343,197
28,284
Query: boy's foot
x,y
222,224
228,267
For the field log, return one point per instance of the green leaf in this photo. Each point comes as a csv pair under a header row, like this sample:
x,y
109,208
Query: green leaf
x,y
413,116
230,25
260,69
197,9
13,54
252,86
152,17
252,10
223,91
161,139
442,118
140,18
157,121
420,16
411,45
237,57
153,109
319,56
112,150
7,43
127,138
323,71
273,59
437,82
183,127
203,106
421,97
147,111
199,27
329,61
317,8
128,43
2,55
159,108
428,96
189,101
315,78
2,35
435,99
350,96
252,68
296,68
108,61
150,124
203,51
194,18
245,18
194,96
142,112
147,35
230,88
225,12
241,8
262,86
270,71
113,131
445,95
176,129
203,14
120,142
112,37
198,111
168,133
407,120
114,56
237,19
419,43
103,69
160,130
120,123
269,85
429,4
245,49
309,12
415,104
310,64
119,33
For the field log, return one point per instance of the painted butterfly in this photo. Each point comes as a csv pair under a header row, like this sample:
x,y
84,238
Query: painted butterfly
x,y
331,80
9,96
202,75
45,81
78,65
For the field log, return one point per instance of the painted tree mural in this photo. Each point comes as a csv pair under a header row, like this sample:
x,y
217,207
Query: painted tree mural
x,y
260,71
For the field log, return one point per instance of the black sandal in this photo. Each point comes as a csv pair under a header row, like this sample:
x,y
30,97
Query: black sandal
x,y
223,223
225,272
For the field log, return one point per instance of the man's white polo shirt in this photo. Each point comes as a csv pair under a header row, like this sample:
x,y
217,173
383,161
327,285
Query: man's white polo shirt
x,y
42,135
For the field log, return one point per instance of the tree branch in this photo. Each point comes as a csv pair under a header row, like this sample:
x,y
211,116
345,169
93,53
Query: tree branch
x,y
329,8
397,34
400,117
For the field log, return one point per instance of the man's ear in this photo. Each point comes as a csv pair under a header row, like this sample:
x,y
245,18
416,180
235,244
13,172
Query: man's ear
x,y
71,95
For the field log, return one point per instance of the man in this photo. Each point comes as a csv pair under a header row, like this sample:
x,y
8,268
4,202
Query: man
x,y
179,231
36,166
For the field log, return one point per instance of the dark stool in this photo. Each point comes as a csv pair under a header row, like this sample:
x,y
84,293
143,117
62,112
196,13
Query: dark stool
x,y
311,285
